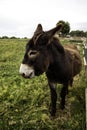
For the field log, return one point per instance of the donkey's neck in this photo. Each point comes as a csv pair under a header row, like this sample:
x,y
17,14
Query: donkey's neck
x,y
56,44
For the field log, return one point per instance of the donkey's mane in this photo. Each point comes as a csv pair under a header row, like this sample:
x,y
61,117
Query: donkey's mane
x,y
56,42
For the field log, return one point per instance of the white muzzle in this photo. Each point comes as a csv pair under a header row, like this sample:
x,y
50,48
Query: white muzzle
x,y
26,71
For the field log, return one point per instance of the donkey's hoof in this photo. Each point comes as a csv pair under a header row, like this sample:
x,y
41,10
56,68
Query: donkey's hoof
x,y
53,113
62,107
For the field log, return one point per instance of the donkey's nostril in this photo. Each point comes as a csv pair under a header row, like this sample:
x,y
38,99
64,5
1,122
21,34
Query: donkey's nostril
x,y
28,76
23,74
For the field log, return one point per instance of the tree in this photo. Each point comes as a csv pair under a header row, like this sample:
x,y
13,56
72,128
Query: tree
x,y
13,37
5,37
66,27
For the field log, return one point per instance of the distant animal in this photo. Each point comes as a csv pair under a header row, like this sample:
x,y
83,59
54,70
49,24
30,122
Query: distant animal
x,y
45,53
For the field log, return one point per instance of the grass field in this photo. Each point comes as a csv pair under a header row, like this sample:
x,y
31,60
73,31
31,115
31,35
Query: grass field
x,y
25,104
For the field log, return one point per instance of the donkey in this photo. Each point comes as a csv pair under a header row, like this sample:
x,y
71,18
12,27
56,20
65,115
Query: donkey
x,y
45,53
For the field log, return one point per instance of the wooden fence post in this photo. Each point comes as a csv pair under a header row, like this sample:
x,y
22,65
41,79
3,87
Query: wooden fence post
x,y
85,57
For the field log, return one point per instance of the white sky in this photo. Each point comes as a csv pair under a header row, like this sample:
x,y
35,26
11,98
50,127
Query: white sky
x,y
20,17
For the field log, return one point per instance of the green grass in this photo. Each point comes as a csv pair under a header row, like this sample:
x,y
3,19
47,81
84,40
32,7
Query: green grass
x,y
25,104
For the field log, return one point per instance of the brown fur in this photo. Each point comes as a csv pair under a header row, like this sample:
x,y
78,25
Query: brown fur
x,y
59,63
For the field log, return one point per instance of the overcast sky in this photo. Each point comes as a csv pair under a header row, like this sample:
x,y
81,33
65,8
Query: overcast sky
x,y
20,17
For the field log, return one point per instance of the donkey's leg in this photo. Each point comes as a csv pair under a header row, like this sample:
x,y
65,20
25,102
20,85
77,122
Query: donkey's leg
x,y
71,82
53,98
63,95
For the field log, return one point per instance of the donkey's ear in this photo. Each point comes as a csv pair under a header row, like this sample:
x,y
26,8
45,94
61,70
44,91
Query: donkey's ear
x,y
39,29
37,32
52,32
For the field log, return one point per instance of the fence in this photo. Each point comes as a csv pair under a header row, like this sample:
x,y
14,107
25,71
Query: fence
x,y
85,56
85,64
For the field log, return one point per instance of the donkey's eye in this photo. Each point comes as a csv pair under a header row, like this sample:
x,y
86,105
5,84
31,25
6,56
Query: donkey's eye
x,y
33,54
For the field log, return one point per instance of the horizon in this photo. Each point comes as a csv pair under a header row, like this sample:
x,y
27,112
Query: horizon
x,y
76,27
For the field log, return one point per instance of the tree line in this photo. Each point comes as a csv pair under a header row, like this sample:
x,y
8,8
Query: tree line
x,y
13,37
78,33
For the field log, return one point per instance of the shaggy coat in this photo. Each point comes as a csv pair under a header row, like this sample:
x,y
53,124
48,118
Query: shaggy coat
x,y
45,53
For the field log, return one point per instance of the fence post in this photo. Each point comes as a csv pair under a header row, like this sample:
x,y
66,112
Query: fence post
x,y
85,56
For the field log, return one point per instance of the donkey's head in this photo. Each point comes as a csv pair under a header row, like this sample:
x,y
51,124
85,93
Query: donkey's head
x,y
37,59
